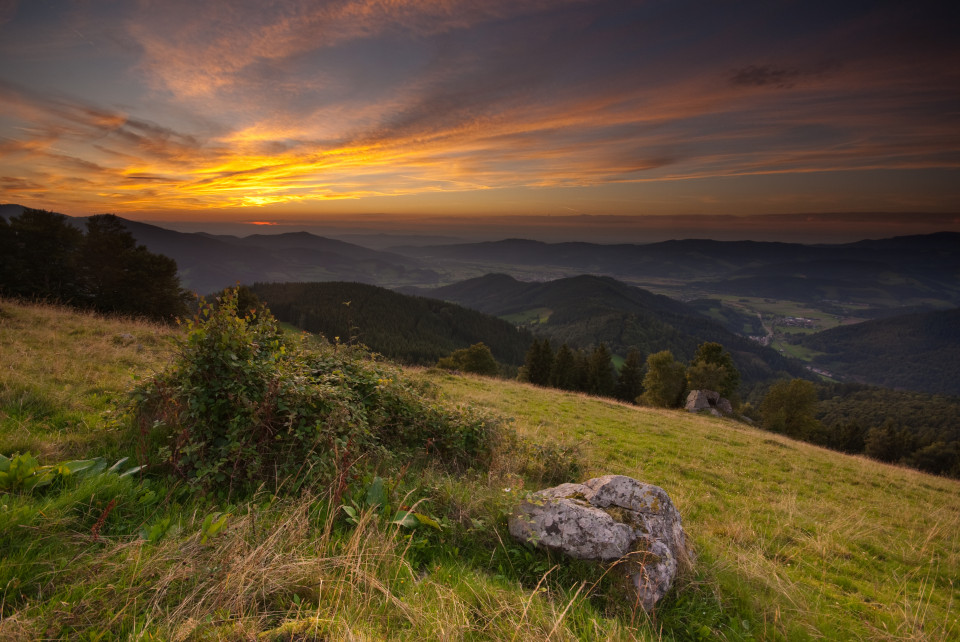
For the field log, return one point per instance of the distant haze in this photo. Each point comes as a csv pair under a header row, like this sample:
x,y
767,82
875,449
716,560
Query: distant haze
x,y
384,231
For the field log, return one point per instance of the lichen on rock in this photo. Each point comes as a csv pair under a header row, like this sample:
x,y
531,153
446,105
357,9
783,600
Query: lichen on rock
x,y
613,518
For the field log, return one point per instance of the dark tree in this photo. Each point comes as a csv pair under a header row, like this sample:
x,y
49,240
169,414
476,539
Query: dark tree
x,y
581,371
538,363
41,262
630,379
119,276
563,374
602,380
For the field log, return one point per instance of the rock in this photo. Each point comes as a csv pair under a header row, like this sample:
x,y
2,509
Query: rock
x,y
709,400
610,519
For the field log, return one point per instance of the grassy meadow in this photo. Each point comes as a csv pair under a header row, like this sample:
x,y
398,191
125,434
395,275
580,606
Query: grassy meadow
x,y
793,542
800,542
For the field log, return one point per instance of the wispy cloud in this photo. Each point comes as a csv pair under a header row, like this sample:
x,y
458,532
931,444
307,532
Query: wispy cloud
x,y
247,103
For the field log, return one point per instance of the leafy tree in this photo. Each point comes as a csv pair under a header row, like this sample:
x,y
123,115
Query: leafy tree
x,y
630,378
665,381
476,359
563,374
601,380
789,408
887,443
712,368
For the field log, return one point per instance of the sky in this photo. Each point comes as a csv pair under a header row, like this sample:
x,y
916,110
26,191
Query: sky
x,y
594,120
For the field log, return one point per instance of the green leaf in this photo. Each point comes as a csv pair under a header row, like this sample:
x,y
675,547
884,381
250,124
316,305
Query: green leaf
x,y
426,520
376,493
406,519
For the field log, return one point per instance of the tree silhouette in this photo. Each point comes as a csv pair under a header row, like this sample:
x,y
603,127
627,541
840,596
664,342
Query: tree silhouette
x,y
563,373
630,379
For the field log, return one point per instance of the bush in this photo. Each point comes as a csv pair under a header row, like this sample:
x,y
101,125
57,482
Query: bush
x,y
477,359
244,405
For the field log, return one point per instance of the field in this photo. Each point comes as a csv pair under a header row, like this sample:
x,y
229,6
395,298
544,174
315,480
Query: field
x,y
793,542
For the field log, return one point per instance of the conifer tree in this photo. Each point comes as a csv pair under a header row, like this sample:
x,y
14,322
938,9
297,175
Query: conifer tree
x,y
581,371
538,363
563,374
601,374
630,378
117,275
41,262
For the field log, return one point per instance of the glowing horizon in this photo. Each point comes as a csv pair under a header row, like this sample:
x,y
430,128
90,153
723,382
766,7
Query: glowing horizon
x,y
306,110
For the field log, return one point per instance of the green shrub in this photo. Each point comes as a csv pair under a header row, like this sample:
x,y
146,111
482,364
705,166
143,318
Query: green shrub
x,y
243,405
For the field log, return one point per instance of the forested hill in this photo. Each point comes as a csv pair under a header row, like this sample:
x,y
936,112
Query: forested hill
x,y
912,352
406,328
208,262
587,310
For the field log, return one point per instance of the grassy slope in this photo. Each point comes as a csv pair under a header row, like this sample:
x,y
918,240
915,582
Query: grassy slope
x,y
62,372
804,540
794,541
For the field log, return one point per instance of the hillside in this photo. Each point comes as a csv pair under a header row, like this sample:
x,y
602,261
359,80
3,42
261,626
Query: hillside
x,y
586,310
793,542
799,541
911,352
409,329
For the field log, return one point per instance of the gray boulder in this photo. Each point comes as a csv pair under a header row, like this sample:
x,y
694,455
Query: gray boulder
x,y
708,400
610,519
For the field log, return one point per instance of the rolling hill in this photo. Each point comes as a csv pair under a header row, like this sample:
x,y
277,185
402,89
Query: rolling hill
x,y
586,310
911,352
410,329
890,273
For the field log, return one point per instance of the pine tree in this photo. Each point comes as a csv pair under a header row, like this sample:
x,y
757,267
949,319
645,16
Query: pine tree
x,y
601,374
630,378
563,374
544,364
117,275
538,363
581,371
41,262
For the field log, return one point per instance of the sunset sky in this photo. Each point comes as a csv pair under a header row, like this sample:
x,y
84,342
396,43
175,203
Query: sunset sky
x,y
556,113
